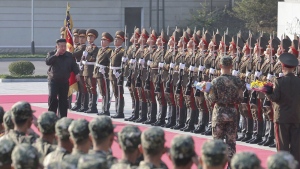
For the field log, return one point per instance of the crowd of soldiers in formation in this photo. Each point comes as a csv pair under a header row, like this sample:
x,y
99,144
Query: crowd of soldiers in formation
x,y
69,144
161,70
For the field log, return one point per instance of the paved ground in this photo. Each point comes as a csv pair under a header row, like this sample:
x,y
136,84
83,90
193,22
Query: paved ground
x,y
40,66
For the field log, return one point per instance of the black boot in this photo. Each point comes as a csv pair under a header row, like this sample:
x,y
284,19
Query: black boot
x,y
246,138
180,119
120,109
241,138
262,142
161,116
172,121
105,106
84,103
93,108
258,137
202,120
152,112
77,102
143,113
273,145
135,112
191,123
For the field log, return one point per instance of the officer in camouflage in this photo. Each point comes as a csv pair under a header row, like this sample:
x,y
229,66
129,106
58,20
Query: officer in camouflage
x,y
6,148
90,161
153,145
129,139
225,92
282,160
25,156
46,125
79,134
245,160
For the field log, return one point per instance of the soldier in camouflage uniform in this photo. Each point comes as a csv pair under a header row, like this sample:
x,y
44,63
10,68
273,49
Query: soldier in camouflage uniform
x,y
245,160
282,160
225,92
153,145
82,98
101,72
214,154
7,121
6,148
46,125
88,60
61,165
90,161
102,133
25,156
64,145
2,129
129,139
79,134
22,117
182,151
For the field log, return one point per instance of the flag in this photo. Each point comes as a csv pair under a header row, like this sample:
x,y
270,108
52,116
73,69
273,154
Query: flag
x,y
73,86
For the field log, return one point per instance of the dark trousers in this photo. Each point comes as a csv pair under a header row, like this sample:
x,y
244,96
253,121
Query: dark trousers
x,y
58,97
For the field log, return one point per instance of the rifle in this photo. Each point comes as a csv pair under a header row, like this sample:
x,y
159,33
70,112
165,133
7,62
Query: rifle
x,y
179,82
148,81
211,72
267,102
121,77
237,61
191,74
129,78
158,82
201,68
138,83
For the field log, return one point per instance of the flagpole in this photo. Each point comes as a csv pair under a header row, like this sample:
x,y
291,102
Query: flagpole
x,y
32,28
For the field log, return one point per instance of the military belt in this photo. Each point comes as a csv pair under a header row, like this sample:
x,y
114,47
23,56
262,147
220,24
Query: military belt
x,y
115,68
100,66
225,105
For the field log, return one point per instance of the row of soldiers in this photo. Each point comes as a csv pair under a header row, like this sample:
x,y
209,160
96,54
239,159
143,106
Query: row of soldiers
x,y
162,69
69,144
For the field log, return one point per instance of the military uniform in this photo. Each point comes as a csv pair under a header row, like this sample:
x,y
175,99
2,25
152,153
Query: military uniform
x,y
225,91
88,69
6,148
81,103
284,97
25,156
282,160
91,161
2,131
115,71
7,121
61,131
245,160
101,73
214,153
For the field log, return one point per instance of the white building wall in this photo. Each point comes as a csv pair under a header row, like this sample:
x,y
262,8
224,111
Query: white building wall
x,y
288,18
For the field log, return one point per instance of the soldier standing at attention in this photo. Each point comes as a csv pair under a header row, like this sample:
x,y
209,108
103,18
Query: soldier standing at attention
x,y
88,61
2,130
6,148
225,92
116,60
285,95
101,72
62,32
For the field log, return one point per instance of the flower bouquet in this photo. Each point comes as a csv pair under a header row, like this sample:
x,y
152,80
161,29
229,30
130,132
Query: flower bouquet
x,y
261,86
202,86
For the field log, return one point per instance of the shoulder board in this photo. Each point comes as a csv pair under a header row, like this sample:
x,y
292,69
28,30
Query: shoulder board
x,y
109,49
121,50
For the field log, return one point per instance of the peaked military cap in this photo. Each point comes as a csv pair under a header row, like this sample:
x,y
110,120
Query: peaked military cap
x,y
282,160
245,160
214,152
137,32
1,114
185,37
62,30
163,36
175,36
107,36
235,43
145,34
199,34
129,137
25,156
22,111
206,38
153,138
6,148
288,60
154,35
61,128
182,147
120,34
75,32
82,32
46,122
79,130
92,161
195,39
92,32
7,120
286,43
189,32
101,127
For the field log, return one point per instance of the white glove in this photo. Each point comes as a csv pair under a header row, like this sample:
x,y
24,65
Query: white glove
x,y
84,62
172,65
117,74
201,68
181,66
257,73
102,71
149,62
160,65
247,74
85,53
269,77
211,71
192,68
281,74
124,59
248,86
235,73
208,85
132,61
141,61
81,67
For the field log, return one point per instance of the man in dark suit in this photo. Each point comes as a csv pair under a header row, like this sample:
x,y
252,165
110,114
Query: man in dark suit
x,y
286,95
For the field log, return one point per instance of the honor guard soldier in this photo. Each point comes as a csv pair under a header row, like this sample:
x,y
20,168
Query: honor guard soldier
x,y
115,72
62,32
285,96
89,59
101,72
199,96
149,85
168,78
75,38
294,47
129,73
81,103
138,75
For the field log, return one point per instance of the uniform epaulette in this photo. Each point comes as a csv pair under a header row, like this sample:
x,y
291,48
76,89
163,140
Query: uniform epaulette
x,y
122,50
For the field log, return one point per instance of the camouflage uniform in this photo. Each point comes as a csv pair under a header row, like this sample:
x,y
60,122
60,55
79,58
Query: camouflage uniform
x,y
282,160
1,120
90,161
6,148
182,147
225,91
245,160
60,164
129,139
61,130
25,156
153,141
214,153
46,124
7,121
20,111
100,128
79,131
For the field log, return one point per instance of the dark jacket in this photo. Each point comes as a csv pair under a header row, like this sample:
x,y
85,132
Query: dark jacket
x,y
61,66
